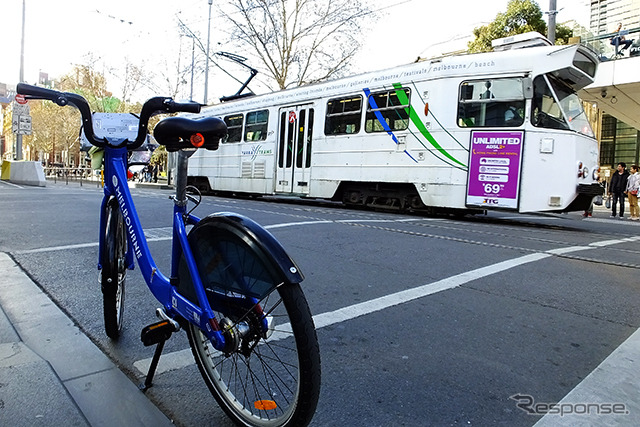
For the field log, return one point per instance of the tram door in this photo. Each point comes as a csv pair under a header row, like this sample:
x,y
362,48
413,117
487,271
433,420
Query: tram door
x,y
294,149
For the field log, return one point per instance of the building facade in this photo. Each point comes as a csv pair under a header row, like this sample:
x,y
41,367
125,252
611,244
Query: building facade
x,y
619,142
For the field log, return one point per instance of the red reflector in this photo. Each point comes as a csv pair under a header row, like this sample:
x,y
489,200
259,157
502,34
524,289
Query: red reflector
x,y
197,140
265,405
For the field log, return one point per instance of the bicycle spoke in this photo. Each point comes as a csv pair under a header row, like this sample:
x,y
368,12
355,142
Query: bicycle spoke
x,y
257,380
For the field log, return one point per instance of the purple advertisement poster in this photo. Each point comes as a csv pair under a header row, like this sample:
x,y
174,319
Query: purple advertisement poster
x,y
494,169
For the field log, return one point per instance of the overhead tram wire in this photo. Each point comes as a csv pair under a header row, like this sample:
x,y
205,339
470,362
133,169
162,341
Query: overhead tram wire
x,y
185,28
190,33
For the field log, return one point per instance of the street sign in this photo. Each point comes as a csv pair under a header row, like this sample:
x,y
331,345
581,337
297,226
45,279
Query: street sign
x,y
20,99
21,124
25,124
21,109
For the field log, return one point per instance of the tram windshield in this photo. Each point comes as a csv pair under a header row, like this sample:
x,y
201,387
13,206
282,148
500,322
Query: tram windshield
x,y
557,106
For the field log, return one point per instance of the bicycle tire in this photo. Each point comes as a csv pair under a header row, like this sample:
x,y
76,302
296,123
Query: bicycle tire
x,y
259,381
114,271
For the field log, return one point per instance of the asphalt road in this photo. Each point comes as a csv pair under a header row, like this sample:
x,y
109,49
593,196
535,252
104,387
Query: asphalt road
x,y
421,320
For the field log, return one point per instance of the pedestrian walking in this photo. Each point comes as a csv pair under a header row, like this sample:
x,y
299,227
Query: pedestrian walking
x,y
633,184
617,188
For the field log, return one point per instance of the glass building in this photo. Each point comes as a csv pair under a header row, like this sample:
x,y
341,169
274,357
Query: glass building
x,y
619,142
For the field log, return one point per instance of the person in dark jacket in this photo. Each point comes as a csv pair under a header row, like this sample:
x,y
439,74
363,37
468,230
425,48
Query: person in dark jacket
x,y
617,187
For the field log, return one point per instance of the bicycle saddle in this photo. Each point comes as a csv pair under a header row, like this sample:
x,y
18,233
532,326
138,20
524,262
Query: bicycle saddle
x,y
180,132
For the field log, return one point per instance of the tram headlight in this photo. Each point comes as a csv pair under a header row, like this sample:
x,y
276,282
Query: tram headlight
x,y
580,170
585,172
596,174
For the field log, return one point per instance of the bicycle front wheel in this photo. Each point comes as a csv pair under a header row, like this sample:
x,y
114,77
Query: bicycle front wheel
x,y
262,378
114,271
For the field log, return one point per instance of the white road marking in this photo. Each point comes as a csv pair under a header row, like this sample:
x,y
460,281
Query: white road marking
x,y
184,358
614,381
56,248
295,224
11,184
165,233
153,235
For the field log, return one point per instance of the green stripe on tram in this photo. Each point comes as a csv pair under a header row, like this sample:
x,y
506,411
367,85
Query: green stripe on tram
x,y
421,127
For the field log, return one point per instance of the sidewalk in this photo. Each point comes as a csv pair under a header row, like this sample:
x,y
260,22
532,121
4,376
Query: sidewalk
x,y
51,373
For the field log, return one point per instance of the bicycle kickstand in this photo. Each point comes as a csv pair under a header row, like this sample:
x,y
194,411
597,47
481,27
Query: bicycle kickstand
x,y
157,333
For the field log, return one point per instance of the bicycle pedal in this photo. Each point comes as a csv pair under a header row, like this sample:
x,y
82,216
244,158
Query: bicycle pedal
x,y
157,332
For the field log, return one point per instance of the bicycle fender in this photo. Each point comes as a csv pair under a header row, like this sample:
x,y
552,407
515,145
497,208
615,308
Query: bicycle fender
x,y
288,271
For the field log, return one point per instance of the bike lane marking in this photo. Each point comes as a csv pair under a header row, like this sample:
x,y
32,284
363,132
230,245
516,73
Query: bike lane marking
x,y
183,358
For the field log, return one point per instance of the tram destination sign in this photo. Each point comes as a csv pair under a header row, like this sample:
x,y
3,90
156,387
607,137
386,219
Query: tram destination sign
x,y
494,169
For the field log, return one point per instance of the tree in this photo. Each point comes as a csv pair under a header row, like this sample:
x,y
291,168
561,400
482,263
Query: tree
x,y
298,41
57,129
85,81
521,16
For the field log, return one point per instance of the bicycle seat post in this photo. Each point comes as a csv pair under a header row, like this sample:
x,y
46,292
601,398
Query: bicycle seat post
x,y
181,176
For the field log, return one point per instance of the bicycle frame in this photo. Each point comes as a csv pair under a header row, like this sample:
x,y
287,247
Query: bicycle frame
x,y
116,186
228,267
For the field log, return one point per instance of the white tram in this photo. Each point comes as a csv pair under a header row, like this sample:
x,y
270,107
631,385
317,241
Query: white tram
x,y
499,130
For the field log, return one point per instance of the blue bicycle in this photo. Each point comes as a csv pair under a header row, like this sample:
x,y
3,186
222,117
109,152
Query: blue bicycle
x,y
232,285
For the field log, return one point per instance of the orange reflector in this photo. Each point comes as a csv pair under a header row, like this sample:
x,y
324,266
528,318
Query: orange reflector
x,y
197,140
265,405
158,325
426,109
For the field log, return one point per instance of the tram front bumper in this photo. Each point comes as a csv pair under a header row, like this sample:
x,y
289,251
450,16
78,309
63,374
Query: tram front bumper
x,y
584,197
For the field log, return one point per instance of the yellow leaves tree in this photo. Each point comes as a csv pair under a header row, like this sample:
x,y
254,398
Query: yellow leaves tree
x,y
57,129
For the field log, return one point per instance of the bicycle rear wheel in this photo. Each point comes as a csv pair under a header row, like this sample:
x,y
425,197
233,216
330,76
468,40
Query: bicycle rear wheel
x,y
261,379
114,271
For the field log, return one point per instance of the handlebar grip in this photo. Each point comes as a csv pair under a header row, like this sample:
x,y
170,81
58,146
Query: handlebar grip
x,y
185,107
37,92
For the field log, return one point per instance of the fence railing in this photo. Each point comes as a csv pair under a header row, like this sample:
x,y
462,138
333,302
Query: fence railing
x,y
606,48
82,175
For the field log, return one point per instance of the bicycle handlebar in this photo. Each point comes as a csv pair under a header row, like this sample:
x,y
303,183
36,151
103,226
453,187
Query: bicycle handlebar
x,y
157,105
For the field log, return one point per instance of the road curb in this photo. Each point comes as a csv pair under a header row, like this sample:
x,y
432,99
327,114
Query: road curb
x,y
59,351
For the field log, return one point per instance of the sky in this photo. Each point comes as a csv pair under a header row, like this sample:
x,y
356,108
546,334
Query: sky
x,y
110,33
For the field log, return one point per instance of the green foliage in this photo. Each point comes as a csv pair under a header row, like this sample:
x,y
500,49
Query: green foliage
x,y
563,33
92,85
521,16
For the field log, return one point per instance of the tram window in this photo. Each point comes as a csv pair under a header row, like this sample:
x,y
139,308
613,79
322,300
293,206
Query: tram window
x,y
582,62
491,103
234,128
309,136
386,106
545,111
343,116
302,117
256,128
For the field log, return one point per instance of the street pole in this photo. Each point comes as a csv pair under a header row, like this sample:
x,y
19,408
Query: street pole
x,y
193,55
552,21
18,153
206,68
